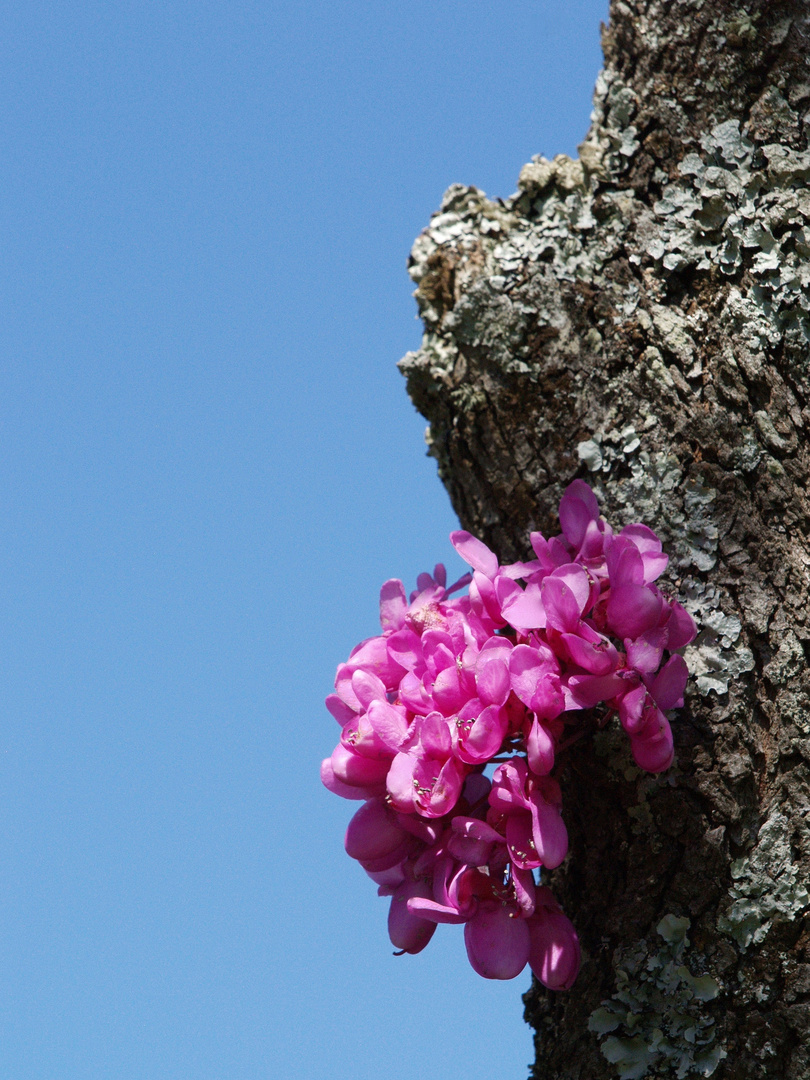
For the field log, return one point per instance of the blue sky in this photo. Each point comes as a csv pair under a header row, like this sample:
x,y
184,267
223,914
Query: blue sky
x,y
209,464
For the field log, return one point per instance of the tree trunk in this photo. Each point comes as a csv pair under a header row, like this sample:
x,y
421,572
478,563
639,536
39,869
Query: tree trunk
x,y
640,317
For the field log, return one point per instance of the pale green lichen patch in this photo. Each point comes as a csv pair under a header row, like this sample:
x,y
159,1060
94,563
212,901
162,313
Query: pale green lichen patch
x,y
656,1024
768,886
715,657
734,205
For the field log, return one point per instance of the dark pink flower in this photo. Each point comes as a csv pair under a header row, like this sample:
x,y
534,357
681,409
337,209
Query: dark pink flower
x,y
454,683
407,931
535,832
497,942
554,953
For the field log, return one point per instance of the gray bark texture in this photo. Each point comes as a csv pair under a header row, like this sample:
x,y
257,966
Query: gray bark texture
x,y
640,317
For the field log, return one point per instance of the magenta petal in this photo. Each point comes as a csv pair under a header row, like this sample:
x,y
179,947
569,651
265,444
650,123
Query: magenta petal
x,y
340,710
561,605
523,570
426,831
655,563
527,668
525,890
598,657
469,851
508,784
343,686
649,546
389,724
452,689
497,943
654,753
540,750
337,787
436,913
578,506
681,628
434,735
542,551
577,580
446,790
389,861
424,582
392,605
475,552
624,563
644,654
495,648
642,537
355,770
367,688
406,930
476,788
372,655
388,880
522,607
399,782
405,648
414,696
554,953
520,841
669,684
474,829
483,739
483,592
585,691
435,639
492,681
548,700
593,542
632,610
631,709
360,737
549,832
559,551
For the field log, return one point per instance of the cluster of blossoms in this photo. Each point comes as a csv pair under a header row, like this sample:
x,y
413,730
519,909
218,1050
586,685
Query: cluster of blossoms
x,y
500,675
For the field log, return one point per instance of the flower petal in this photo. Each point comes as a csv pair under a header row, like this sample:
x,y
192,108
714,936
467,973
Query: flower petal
x,y
554,952
392,605
407,930
497,943
475,552
632,610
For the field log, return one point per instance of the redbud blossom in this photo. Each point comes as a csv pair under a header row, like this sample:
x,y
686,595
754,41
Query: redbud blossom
x,y
537,654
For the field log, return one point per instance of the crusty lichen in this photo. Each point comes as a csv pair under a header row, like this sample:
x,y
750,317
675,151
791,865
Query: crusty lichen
x,y
768,886
735,207
658,1011
736,204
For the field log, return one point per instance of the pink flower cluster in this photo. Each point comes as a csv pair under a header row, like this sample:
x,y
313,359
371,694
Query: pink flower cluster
x,y
500,675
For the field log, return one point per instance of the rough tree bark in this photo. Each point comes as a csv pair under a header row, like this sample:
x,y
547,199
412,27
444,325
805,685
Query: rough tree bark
x,y
641,317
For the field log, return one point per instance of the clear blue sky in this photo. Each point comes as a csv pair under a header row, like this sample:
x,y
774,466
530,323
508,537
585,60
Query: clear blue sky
x,y
209,464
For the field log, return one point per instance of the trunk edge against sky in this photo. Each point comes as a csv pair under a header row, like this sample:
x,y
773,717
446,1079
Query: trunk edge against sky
x,y
640,317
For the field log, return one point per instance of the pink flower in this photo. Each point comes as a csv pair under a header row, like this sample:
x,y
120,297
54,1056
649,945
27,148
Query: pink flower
x,y
407,931
554,953
498,942
457,682
424,777
535,832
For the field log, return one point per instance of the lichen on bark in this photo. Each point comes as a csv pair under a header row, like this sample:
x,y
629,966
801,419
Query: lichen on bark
x,y
640,317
